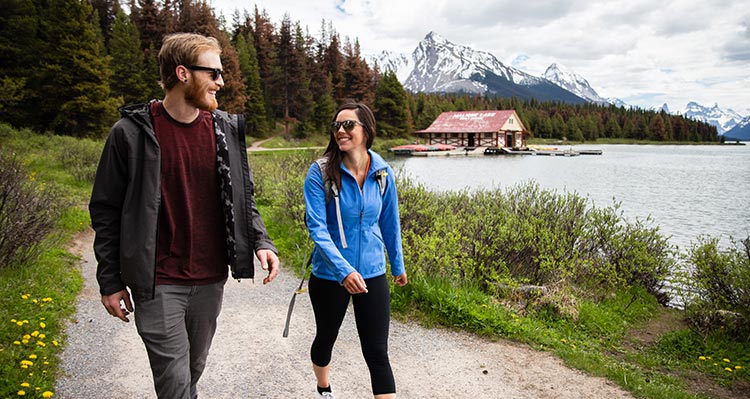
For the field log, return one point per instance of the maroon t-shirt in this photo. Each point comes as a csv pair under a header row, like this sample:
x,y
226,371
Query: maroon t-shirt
x,y
191,247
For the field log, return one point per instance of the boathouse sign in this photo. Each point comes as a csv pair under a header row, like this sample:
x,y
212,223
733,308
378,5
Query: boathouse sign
x,y
497,128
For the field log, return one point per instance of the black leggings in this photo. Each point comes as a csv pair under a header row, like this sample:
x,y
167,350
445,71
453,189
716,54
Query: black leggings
x,y
372,312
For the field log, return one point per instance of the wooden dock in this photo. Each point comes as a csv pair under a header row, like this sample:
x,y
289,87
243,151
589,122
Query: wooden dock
x,y
481,151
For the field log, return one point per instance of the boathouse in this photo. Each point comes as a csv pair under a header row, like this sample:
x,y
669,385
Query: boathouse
x,y
476,129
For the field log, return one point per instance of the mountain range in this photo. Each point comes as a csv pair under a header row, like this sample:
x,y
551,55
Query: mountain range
x,y
440,66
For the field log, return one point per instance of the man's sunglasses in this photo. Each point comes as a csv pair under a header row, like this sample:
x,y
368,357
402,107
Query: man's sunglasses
x,y
348,125
215,72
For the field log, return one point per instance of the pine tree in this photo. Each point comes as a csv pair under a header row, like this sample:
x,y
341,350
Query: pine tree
x,y
255,109
357,76
321,87
263,37
73,81
107,10
334,65
150,21
127,79
302,101
391,107
20,50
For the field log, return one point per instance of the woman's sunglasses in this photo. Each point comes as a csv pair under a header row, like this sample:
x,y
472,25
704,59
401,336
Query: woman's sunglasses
x,y
348,125
215,72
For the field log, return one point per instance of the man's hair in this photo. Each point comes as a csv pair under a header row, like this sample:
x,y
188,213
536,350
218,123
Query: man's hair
x,y
182,49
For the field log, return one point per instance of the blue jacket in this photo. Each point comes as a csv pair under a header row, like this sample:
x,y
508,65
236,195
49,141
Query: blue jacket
x,y
370,220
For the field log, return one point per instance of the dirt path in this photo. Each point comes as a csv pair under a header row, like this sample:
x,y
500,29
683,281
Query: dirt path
x,y
104,358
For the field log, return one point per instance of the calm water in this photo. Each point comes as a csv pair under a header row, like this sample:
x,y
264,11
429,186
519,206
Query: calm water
x,y
687,190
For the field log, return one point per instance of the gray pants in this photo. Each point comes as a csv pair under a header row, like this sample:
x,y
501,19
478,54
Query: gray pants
x,y
177,327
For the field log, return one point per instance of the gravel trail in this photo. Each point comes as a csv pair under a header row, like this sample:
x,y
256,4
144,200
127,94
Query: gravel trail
x,y
104,357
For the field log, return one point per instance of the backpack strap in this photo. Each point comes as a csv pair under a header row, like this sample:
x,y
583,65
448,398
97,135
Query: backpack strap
x,y
332,191
381,176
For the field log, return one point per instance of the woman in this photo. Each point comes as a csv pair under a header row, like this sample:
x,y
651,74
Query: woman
x,y
352,216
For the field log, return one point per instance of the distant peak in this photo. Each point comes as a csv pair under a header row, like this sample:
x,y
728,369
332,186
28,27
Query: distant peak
x,y
434,36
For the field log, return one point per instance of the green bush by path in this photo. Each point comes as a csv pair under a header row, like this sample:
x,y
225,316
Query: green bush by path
x,y
38,293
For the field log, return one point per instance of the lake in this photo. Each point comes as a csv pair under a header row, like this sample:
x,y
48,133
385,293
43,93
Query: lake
x,y
688,190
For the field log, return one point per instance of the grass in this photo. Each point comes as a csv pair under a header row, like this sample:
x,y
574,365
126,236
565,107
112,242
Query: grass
x,y
37,299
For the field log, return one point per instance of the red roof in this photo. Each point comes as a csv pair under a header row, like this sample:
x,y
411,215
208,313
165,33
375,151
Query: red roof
x,y
471,122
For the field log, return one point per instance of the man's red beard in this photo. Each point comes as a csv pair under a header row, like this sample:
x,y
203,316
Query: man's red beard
x,y
197,95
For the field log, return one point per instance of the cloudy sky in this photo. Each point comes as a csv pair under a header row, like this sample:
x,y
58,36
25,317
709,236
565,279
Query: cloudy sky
x,y
646,53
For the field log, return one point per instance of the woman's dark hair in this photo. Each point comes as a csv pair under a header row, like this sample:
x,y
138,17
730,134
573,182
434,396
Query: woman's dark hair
x,y
333,153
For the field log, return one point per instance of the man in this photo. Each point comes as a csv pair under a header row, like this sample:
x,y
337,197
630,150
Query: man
x,y
172,206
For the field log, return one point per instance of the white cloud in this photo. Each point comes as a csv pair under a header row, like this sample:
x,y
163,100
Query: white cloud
x,y
639,50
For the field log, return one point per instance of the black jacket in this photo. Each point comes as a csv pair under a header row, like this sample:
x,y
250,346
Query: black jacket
x,y
126,197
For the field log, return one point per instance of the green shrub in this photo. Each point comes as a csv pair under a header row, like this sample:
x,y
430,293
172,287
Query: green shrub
x,y
525,235
79,156
721,280
28,211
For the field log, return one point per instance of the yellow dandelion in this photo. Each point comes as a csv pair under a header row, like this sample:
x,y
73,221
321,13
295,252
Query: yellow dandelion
x,y
727,360
573,346
22,393
55,343
16,342
40,343
12,320
42,325
23,366
46,363
27,363
25,384
563,340
32,356
709,358
47,299
35,333
702,358
42,336
35,300
25,341
19,323
47,394
24,296
728,369
738,367
43,318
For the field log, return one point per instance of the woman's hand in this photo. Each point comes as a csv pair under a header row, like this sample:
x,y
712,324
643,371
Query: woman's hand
x,y
401,280
355,284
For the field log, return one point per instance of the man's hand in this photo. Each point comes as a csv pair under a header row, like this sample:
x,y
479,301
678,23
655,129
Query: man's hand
x,y
113,303
401,280
268,261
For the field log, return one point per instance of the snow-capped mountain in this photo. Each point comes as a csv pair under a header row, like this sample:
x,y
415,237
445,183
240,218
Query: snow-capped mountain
x,y
740,132
724,120
437,65
572,82
399,63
